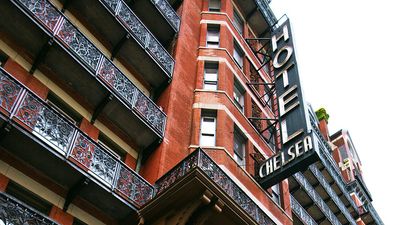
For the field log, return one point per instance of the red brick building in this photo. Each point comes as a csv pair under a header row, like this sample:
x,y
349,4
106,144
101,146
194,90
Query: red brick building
x,y
150,112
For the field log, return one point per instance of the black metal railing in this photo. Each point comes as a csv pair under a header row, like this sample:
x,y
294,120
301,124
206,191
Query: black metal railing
x,y
142,35
199,159
315,197
300,212
168,12
95,61
53,129
266,12
324,183
331,166
374,214
13,211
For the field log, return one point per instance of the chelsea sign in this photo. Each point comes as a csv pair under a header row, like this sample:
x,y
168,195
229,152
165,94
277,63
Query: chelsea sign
x,y
297,144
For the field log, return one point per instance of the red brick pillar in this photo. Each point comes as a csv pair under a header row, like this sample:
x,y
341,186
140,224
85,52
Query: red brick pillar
x,y
285,197
26,78
360,222
323,127
60,216
89,129
130,161
3,182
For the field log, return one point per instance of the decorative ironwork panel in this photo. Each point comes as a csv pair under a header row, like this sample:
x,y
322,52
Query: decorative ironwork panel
x,y
45,122
133,24
118,82
177,172
374,214
133,187
331,167
94,158
9,91
79,44
331,193
14,212
112,4
232,189
145,37
169,13
316,198
162,56
150,111
301,213
44,11
201,160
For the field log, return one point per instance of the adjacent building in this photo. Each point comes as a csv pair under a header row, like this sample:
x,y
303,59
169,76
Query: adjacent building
x,y
155,112
332,191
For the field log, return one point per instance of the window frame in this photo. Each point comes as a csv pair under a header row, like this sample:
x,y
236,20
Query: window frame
x,y
239,154
239,95
213,36
217,7
238,21
209,84
238,52
203,140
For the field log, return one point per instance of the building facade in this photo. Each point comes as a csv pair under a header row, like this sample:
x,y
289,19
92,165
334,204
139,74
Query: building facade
x,y
155,112
332,191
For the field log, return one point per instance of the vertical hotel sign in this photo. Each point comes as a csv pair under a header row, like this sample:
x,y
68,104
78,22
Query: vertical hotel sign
x,y
298,148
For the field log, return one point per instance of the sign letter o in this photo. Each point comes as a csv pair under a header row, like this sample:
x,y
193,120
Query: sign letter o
x,y
288,55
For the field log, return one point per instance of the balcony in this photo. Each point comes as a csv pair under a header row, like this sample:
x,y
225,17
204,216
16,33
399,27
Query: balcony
x,y
50,42
259,16
64,154
127,38
159,17
201,162
300,213
305,194
13,211
369,215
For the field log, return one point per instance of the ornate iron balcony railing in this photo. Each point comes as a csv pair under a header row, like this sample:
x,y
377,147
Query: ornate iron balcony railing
x,y
320,177
47,124
330,165
95,61
168,12
301,213
199,159
316,198
374,214
142,35
266,12
13,211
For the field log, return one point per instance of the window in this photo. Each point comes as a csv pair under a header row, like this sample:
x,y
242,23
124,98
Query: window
x,y
238,95
24,195
208,129
210,76
239,147
238,22
68,112
238,54
213,36
214,5
276,194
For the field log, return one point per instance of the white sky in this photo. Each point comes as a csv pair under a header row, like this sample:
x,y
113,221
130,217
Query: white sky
x,y
348,52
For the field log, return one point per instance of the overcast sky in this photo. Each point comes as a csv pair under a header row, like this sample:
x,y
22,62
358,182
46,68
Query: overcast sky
x,y
348,53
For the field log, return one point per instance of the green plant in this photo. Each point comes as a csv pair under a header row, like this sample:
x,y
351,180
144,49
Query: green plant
x,y
322,115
